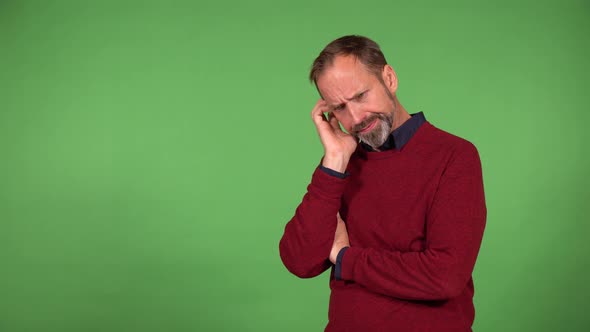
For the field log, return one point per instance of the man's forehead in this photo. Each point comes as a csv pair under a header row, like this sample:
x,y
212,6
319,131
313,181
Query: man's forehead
x,y
344,66
342,89
345,75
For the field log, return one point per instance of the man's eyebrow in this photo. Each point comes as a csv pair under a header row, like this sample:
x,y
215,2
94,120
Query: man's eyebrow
x,y
349,99
356,95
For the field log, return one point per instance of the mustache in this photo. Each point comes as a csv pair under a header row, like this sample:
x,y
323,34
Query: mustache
x,y
358,127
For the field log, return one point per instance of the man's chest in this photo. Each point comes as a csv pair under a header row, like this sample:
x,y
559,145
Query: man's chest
x,y
389,210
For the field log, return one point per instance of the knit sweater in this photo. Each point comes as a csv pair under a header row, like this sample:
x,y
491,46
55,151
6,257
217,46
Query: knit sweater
x,y
415,220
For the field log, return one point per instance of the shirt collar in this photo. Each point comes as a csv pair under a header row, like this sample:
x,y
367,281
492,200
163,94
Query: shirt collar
x,y
400,136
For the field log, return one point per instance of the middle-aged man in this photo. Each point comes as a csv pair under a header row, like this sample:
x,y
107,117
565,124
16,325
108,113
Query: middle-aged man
x,y
396,205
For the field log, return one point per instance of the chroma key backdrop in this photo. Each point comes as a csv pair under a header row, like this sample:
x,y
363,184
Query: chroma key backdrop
x,y
153,151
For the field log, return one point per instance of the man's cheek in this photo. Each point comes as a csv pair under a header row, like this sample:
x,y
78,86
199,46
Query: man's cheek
x,y
346,126
348,129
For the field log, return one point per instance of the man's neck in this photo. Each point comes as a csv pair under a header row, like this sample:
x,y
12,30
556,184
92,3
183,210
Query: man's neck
x,y
400,115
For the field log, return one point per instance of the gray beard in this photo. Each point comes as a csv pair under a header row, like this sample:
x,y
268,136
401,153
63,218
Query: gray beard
x,y
376,137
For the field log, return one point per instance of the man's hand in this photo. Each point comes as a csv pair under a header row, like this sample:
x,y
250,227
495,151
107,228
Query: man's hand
x,y
338,145
340,239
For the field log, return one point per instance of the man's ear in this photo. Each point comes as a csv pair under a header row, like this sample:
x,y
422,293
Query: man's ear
x,y
389,79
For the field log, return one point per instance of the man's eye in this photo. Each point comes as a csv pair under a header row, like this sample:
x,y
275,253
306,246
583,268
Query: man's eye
x,y
360,95
338,108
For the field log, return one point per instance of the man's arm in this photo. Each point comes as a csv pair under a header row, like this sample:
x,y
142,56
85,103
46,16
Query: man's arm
x,y
454,230
309,235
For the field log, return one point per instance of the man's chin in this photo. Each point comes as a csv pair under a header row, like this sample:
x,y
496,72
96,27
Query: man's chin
x,y
371,138
372,144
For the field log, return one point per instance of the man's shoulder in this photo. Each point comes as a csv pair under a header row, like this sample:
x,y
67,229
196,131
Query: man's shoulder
x,y
440,139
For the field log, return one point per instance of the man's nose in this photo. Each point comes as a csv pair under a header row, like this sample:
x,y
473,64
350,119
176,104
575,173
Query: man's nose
x,y
356,114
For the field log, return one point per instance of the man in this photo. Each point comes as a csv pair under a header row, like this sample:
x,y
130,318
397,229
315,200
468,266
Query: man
x,y
396,206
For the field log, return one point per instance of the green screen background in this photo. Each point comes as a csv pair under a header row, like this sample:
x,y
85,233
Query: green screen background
x,y
152,152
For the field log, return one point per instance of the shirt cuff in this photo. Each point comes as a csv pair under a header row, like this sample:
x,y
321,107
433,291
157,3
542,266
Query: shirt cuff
x,y
333,172
338,267
349,261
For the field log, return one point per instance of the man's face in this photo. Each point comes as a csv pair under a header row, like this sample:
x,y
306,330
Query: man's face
x,y
358,99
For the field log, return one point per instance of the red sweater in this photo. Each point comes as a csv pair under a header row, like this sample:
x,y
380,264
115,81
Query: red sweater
x,y
415,220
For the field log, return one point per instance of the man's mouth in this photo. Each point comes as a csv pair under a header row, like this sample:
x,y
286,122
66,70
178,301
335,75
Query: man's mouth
x,y
369,127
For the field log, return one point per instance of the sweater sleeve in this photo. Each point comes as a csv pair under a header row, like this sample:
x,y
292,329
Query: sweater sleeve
x,y
309,235
454,229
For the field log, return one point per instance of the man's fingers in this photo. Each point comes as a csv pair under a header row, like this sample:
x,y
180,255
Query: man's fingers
x,y
334,122
341,227
317,113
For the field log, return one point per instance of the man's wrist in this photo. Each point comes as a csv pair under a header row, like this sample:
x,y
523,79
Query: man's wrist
x,y
336,162
333,172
